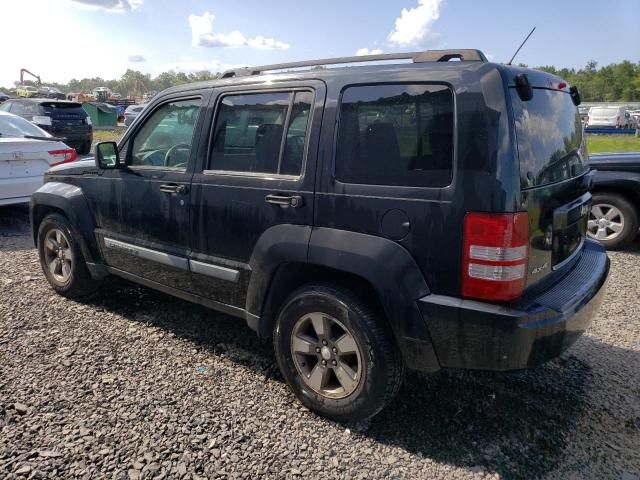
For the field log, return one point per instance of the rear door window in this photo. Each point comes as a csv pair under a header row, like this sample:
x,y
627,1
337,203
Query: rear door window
x,y
549,136
396,134
261,132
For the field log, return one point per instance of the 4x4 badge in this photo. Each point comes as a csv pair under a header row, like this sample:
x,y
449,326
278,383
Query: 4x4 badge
x,y
537,270
584,209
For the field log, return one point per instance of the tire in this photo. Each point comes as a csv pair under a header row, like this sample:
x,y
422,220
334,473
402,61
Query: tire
x,y
85,148
376,363
74,280
620,212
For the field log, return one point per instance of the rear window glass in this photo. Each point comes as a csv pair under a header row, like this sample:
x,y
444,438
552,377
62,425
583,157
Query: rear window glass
x,y
549,135
61,106
14,126
396,134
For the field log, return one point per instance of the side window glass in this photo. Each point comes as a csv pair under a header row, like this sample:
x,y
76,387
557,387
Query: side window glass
x,y
396,135
249,132
165,138
296,133
30,108
17,108
5,106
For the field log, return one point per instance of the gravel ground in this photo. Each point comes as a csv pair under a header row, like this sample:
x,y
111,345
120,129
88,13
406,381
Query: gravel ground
x,y
133,384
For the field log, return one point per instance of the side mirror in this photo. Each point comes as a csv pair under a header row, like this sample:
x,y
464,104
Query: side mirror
x,y
523,87
575,95
107,155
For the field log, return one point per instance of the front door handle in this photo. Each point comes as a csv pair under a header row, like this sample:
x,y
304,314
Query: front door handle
x,y
284,201
174,188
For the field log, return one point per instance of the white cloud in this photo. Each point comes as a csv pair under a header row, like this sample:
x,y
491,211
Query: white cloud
x,y
262,43
413,25
112,5
366,51
136,58
203,35
193,66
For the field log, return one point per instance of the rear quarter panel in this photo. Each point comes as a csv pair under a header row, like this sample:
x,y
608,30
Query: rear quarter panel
x,y
485,174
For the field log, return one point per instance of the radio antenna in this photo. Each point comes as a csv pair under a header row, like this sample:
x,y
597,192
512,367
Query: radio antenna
x,y
521,45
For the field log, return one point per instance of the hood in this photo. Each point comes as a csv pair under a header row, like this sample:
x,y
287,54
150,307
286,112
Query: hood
x,y
78,167
629,162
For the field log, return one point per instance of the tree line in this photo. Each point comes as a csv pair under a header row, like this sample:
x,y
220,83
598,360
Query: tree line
x,y
617,82
614,82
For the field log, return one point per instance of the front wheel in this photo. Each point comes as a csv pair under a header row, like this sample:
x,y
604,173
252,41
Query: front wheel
x,y
336,353
61,258
613,220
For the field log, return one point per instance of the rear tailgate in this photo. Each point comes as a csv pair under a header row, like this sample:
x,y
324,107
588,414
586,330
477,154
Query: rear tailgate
x,y
66,116
554,178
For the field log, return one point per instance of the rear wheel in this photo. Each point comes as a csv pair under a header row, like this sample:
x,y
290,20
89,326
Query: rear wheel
x,y
85,148
61,258
613,220
336,353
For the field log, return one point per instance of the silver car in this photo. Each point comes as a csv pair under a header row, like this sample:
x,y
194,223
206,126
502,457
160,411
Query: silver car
x,y
26,152
132,112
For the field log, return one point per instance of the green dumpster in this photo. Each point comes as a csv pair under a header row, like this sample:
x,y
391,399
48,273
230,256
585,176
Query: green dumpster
x,y
101,114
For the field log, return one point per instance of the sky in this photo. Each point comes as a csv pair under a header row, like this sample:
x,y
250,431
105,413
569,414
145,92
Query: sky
x,y
65,39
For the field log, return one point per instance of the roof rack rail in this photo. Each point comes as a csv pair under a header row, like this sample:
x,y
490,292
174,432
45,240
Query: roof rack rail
x,y
464,54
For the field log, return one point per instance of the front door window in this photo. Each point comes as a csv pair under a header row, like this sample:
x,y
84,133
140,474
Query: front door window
x,y
166,137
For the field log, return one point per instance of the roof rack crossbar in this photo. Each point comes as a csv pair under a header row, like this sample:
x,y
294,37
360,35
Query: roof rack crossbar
x,y
416,57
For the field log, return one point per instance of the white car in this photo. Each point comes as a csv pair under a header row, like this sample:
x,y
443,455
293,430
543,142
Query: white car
x,y
609,117
26,152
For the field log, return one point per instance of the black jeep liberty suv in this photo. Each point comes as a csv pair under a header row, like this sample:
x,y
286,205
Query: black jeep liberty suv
x,y
427,214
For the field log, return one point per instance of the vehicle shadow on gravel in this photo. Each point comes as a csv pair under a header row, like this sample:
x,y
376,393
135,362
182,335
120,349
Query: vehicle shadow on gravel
x,y
516,424
15,230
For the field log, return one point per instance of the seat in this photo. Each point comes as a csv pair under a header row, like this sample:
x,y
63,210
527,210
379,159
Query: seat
x,y
382,149
268,142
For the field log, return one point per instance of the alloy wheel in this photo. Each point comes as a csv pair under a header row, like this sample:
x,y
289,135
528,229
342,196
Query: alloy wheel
x,y
606,222
58,255
326,355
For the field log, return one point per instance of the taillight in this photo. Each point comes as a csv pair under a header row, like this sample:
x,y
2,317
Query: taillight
x,y
62,156
495,255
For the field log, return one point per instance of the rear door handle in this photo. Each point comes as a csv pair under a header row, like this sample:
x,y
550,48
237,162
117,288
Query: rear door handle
x,y
284,201
174,188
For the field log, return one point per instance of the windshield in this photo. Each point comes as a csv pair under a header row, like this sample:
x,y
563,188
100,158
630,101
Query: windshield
x,y
549,135
13,126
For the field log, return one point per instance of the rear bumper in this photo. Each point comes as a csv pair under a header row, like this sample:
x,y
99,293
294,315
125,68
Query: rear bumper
x,y
18,189
476,335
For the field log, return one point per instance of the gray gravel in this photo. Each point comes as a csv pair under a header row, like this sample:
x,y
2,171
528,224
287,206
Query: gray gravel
x,y
132,384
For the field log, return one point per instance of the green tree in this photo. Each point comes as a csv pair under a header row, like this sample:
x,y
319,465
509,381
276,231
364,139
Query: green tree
x,y
614,82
